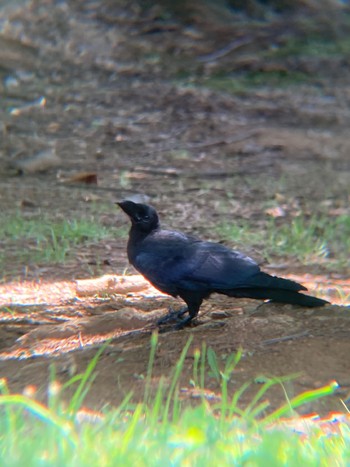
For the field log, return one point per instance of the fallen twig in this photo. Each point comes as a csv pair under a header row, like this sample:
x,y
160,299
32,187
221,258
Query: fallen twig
x,y
111,284
286,338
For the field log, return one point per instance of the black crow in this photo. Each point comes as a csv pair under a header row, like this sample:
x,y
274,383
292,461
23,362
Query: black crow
x,y
183,266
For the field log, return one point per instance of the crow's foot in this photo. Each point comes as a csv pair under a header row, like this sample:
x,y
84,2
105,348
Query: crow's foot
x,y
174,316
183,323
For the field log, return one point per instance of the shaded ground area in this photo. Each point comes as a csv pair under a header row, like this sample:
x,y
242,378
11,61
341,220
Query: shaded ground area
x,y
100,90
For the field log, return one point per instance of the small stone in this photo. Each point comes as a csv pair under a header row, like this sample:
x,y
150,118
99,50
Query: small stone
x,y
209,325
219,314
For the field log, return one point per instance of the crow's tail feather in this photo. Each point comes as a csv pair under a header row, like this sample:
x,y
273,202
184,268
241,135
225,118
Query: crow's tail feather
x,y
301,299
264,280
277,289
276,295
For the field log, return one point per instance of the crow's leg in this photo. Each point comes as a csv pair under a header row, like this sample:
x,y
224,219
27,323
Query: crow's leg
x,y
182,323
193,301
173,316
193,305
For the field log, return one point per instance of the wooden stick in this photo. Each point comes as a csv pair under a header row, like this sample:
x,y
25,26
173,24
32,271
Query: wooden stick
x,y
111,284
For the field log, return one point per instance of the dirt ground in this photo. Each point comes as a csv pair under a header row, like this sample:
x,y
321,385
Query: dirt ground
x,y
94,88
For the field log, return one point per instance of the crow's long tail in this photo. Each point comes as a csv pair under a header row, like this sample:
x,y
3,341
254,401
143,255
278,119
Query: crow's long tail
x,y
277,295
274,288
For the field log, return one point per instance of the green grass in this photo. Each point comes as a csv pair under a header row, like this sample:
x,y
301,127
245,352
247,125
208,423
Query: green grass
x,y
45,240
307,239
162,430
283,63
240,83
314,46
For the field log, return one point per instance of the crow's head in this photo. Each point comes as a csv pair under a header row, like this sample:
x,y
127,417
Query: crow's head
x,y
142,216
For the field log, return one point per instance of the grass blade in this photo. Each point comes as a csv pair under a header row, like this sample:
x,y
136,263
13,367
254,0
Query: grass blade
x,y
175,378
304,398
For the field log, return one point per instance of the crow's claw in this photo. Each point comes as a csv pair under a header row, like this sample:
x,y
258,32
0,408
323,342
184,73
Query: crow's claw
x,y
184,322
173,316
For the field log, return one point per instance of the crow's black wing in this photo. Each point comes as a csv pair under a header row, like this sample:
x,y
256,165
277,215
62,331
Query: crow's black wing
x,y
223,269
217,267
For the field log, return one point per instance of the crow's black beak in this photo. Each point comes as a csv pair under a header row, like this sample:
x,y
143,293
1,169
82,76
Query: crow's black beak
x,y
127,206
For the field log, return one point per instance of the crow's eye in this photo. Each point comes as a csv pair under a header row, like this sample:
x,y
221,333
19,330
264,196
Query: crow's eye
x,y
146,217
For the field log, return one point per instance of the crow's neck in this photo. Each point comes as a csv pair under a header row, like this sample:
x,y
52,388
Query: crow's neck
x,y
136,237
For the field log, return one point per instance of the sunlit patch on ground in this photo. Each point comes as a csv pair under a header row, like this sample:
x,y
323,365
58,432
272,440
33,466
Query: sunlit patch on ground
x,y
42,292
56,321
337,291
